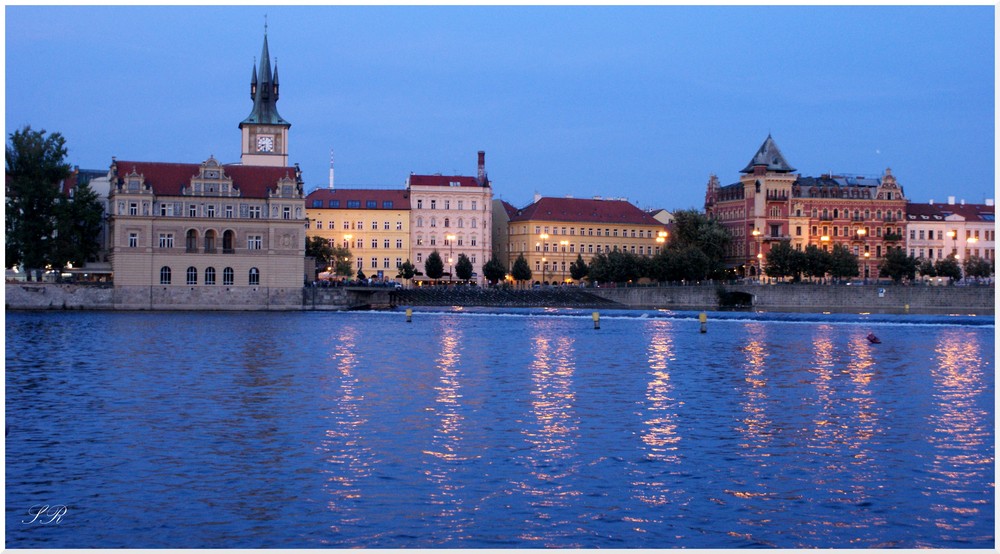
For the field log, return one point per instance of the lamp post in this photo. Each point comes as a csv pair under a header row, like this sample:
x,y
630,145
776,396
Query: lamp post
x,y
824,240
866,266
563,244
451,253
545,248
953,235
347,245
544,266
760,255
864,247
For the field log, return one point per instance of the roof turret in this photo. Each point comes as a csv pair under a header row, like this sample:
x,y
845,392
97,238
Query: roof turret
x,y
769,156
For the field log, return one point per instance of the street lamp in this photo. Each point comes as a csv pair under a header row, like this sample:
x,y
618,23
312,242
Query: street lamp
x,y
661,237
544,266
756,236
867,254
545,248
864,247
953,235
451,253
564,244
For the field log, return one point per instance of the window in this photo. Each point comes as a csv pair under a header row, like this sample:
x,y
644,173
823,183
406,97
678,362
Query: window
x,y
473,204
318,203
447,204
227,276
253,278
385,243
385,263
334,203
352,204
360,262
374,262
433,204
399,243
446,222
473,222
360,242
229,212
166,240
371,204
164,275
192,210
385,225
209,275
399,262
347,225
360,225
460,204
228,238
387,204
133,240
374,225
286,212
255,242
166,209
434,222
192,276
211,210
798,230
255,212
133,208
399,225
420,257
374,243
420,204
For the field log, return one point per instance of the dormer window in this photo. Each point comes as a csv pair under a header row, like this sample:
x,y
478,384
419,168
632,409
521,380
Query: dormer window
x,y
133,185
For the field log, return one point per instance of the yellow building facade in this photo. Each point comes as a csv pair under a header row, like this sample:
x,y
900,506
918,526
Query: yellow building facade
x,y
551,232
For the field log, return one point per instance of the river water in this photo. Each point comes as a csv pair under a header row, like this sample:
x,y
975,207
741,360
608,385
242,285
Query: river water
x,y
498,428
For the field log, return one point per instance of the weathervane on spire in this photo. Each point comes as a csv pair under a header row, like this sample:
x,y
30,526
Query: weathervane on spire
x,y
265,24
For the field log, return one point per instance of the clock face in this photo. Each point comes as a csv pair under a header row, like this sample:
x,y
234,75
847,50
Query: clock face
x,y
265,143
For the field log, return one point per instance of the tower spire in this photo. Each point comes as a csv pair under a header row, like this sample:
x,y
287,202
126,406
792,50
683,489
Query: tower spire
x,y
264,90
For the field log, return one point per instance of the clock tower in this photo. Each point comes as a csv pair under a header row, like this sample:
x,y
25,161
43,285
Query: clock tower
x,y
264,134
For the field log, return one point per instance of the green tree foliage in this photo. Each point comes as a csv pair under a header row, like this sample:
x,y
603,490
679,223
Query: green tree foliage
x,y
35,166
694,229
926,268
578,269
319,249
898,265
817,262
434,266
977,267
406,270
843,264
617,266
688,264
494,271
520,270
784,261
342,257
948,267
463,268
78,224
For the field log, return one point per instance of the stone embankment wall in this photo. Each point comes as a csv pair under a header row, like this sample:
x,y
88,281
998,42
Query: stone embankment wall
x,y
814,298
51,296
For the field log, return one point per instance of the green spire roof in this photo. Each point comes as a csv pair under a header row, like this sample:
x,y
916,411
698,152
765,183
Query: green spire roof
x,y
264,90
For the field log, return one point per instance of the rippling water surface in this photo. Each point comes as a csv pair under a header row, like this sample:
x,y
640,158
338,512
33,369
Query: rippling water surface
x,y
487,428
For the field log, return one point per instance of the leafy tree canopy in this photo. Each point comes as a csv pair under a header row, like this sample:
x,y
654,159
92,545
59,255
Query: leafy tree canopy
x,y
494,271
520,271
434,265
463,268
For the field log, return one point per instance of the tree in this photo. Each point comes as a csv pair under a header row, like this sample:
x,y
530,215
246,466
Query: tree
x,y
977,267
463,268
578,269
692,228
843,263
520,271
434,266
494,271
898,265
406,270
319,249
948,267
817,261
35,166
615,267
79,218
784,261
341,256
926,268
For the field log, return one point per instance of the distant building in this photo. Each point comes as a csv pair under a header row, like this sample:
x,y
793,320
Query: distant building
x,y
503,211
772,203
453,215
663,216
209,234
374,224
936,231
551,232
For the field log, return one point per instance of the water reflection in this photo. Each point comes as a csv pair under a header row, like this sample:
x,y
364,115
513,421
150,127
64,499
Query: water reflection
x,y
348,457
962,427
552,457
756,427
443,459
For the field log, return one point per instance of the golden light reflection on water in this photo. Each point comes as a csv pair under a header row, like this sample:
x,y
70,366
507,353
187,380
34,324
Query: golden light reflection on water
x,y
347,455
961,426
552,455
654,485
756,428
444,457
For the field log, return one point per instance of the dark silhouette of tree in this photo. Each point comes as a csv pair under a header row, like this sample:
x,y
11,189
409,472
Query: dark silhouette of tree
x,y
784,261
35,166
520,270
79,218
494,271
843,264
406,270
434,266
948,267
578,269
463,268
319,249
897,265
977,267
817,261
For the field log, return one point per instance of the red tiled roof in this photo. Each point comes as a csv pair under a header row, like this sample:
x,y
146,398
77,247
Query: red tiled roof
x,y
578,209
509,208
442,181
168,179
937,212
400,198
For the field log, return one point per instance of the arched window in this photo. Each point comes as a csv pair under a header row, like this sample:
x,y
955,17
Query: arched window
x,y
192,276
192,240
227,276
209,275
228,239
420,222
254,277
447,222
209,242
460,223
164,275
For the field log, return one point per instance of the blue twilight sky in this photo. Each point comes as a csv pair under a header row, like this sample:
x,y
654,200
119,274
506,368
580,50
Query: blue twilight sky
x,y
637,102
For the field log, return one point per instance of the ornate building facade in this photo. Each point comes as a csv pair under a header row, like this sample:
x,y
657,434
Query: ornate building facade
x,y
772,203
453,215
936,231
210,234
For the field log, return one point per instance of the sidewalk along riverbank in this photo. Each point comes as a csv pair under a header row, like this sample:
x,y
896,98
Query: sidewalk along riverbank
x,y
978,300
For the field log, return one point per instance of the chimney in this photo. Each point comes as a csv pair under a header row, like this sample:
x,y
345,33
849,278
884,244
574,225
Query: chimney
x,y
989,201
482,167
963,201
931,202
537,197
951,200
331,169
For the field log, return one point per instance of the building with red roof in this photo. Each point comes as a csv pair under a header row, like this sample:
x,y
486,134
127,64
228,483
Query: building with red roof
x,y
936,231
211,235
551,232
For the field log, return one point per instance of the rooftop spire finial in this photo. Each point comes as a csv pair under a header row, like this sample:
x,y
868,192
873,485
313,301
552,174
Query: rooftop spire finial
x,y
265,24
